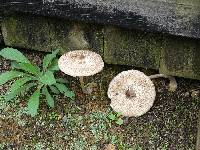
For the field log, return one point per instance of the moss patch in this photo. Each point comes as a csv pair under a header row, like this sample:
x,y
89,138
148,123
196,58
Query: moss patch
x,y
132,47
46,34
180,57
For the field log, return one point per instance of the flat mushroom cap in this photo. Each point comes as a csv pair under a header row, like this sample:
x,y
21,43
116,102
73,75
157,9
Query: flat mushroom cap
x,y
132,93
80,63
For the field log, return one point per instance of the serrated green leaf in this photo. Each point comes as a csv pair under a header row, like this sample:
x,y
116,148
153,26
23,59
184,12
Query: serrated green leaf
x,y
119,121
26,67
61,80
47,78
112,117
54,65
9,75
49,58
14,65
20,82
61,87
33,103
13,54
70,94
11,95
54,89
49,98
29,68
27,87
14,93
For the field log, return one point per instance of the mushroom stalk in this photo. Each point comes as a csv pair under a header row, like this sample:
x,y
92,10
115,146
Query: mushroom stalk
x,y
172,80
81,63
81,83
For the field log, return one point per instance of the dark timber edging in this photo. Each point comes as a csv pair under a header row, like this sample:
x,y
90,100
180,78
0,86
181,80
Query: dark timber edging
x,y
176,17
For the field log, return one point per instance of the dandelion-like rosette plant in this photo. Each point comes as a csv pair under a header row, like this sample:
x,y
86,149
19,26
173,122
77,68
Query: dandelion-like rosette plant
x,y
27,77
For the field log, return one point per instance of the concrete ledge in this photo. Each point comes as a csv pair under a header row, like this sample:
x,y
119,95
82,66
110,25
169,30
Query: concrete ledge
x,y
174,17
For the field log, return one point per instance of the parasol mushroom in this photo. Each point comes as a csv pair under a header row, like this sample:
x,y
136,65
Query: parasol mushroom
x,y
133,93
80,63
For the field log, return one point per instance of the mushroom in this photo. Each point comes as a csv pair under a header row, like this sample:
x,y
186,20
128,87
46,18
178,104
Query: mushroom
x,y
132,93
80,63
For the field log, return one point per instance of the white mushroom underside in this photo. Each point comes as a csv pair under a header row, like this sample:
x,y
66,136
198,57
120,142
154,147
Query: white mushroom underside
x,y
144,91
80,63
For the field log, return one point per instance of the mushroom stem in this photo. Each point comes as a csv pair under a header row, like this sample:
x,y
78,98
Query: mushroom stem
x,y
81,83
172,83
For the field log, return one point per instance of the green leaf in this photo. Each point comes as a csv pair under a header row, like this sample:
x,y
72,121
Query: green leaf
x,y
18,83
14,93
54,65
119,121
63,89
27,87
13,54
70,94
54,89
112,117
47,78
49,58
9,75
29,68
49,98
26,67
119,114
14,65
33,103
61,80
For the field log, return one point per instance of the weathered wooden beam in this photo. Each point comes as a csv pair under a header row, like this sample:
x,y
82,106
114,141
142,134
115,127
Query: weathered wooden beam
x,y
176,17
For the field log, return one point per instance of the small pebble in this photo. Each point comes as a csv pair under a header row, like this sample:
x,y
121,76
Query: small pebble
x,y
195,94
110,147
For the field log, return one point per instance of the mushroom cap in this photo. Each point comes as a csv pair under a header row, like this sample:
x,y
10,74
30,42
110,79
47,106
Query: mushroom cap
x,y
80,63
132,93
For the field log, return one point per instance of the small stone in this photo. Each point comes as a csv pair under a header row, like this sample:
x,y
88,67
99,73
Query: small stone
x,y
195,94
64,119
187,94
110,147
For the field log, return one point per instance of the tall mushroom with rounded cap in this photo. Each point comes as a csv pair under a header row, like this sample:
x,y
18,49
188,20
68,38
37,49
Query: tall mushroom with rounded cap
x,y
132,93
80,63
